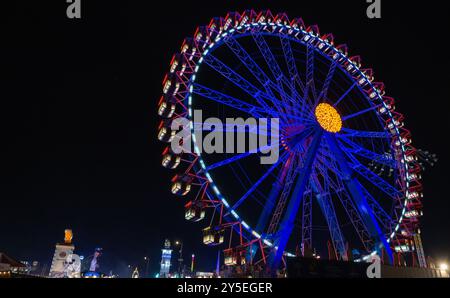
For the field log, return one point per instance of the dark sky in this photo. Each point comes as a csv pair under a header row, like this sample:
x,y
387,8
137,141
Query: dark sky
x,y
78,116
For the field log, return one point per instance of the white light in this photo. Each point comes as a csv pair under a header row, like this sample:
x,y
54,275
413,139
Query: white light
x,y
216,190
256,234
208,177
443,266
267,242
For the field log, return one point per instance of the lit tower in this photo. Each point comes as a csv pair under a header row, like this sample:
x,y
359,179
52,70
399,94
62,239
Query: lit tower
x,y
165,259
62,252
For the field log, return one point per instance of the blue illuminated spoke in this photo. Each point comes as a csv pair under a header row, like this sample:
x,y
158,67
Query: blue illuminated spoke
x,y
254,68
363,134
277,190
287,225
230,101
310,85
382,216
238,157
356,220
294,75
275,69
348,204
285,190
261,97
249,63
345,94
257,183
270,59
359,113
290,61
361,151
238,104
238,80
326,205
234,128
364,172
376,180
355,189
326,85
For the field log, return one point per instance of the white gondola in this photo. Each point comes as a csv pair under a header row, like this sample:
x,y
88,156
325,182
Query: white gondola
x,y
181,185
171,161
213,236
194,211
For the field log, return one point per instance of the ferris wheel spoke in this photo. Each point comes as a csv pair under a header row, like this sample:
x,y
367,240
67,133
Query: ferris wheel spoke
x,y
233,128
250,64
237,157
345,94
257,183
368,154
307,221
238,104
275,191
293,72
230,101
364,134
287,224
350,208
356,220
285,192
323,198
290,61
260,96
376,180
356,192
382,216
326,84
254,68
275,69
310,85
270,59
359,113
362,170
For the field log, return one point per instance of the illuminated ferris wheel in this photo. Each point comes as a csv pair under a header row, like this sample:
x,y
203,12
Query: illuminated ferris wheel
x,y
335,122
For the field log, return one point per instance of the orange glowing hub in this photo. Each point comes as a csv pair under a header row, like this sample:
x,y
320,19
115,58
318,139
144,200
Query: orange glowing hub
x,y
328,117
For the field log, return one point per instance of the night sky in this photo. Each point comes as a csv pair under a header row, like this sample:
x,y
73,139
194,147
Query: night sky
x,y
78,117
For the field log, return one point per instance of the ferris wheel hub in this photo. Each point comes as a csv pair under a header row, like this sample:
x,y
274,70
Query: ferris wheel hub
x,y
328,117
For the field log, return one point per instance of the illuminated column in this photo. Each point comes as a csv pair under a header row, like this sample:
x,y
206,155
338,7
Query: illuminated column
x,y
192,263
165,260
62,251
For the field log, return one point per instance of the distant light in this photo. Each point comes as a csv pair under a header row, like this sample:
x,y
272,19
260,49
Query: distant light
x,y
443,266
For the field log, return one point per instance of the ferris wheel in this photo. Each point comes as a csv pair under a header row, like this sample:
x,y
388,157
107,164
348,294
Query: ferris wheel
x,y
335,123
